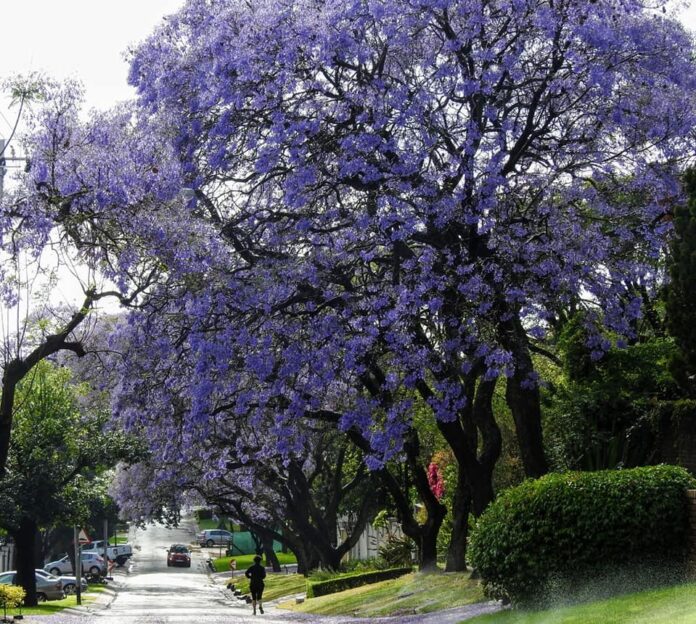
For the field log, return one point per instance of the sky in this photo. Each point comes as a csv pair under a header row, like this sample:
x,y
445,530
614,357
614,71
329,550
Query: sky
x,y
83,39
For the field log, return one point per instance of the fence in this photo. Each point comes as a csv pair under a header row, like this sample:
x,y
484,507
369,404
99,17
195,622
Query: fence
x,y
6,557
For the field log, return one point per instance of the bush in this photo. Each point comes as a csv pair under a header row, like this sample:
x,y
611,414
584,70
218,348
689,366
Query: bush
x,y
10,596
547,536
341,583
397,551
204,514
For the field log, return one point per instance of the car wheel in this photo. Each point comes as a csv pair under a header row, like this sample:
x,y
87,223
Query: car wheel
x,y
188,565
41,597
210,543
54,571
169,565
121,560
94,571
69,589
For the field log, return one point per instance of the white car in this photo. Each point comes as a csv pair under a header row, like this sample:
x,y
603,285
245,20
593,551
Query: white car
x,y
91,562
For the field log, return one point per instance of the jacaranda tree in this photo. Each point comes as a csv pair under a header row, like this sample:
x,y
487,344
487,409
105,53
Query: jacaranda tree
x,y
389,202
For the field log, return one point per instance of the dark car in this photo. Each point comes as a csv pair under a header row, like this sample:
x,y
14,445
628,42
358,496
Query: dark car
x,y
178,554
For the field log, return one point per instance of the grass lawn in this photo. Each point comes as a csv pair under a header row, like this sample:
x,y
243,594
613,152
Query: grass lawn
x,y
671,605
411,593
244,561
277,585
54,606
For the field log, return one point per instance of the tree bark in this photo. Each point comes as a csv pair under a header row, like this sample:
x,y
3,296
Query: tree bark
x,y
522,396
25,543
461,507
271,557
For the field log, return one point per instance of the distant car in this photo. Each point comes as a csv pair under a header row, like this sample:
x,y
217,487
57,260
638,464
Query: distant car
x,y
91,562
178,554
46,589
69,584
215,537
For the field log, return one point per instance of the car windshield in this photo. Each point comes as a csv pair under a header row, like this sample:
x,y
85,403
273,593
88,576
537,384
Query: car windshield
x,y
179,549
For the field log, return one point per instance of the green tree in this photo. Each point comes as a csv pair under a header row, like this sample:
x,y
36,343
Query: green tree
x,y
681,312
57,449
603,414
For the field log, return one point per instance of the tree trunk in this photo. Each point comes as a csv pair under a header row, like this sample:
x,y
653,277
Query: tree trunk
x,y
271,557
307,559
427,548
522,396
461,507
25,543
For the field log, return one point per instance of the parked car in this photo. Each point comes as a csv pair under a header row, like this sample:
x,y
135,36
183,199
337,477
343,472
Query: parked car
x,y
69,584
46,589
120,553
214,537
178,554
91,562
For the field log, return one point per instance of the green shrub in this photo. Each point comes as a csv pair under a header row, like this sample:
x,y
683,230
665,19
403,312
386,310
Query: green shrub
x,y
547,536
397,550
341,583
10,596
204,514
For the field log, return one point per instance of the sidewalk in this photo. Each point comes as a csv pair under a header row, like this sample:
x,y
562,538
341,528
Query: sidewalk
x,y
102,601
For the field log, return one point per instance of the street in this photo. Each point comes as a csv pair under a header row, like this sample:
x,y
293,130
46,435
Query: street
x,y
152,593
149,592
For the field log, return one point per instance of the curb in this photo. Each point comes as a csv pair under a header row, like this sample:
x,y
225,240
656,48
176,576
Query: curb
x,y
102,601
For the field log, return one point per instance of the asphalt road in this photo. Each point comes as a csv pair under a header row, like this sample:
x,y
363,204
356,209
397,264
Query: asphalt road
x,y
152,593
149,592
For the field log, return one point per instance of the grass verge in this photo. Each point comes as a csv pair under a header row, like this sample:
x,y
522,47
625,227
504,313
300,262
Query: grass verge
x,y
52,606
412,593
670,605
244,561
277,585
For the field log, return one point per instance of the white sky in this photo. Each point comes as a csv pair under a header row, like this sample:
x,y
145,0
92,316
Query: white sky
x,y
82,39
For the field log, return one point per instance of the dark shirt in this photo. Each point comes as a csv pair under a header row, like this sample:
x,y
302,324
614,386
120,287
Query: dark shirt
x,y
256,574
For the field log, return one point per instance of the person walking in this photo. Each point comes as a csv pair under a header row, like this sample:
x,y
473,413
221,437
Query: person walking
x,y
256,573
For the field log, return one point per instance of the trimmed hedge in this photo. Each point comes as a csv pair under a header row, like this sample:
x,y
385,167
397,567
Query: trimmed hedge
x,y
551,535
341,583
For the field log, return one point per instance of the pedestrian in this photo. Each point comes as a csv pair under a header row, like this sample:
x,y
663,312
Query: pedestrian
x,y
256,573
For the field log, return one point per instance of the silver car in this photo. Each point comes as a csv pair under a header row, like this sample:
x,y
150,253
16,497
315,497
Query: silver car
x,y
69,583
215,537
46,589
91,562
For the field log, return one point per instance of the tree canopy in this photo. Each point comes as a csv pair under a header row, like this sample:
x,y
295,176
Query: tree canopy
x,y
334,211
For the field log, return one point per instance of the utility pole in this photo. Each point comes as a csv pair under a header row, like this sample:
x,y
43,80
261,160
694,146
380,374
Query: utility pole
x,y
4,159
3,169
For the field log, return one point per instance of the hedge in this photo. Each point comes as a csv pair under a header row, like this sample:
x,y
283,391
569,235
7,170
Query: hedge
x,y
550,535
341,583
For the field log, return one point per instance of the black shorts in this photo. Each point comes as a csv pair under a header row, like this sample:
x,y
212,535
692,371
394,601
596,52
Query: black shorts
x,y
256,591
